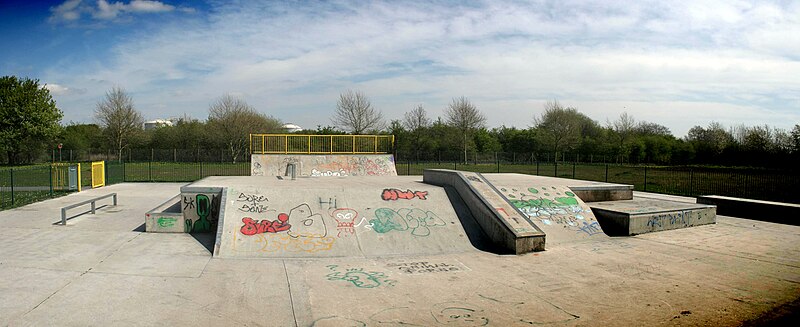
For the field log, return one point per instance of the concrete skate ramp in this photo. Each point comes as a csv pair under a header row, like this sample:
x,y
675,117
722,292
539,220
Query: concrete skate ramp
x,y
324,165
334,217
552,207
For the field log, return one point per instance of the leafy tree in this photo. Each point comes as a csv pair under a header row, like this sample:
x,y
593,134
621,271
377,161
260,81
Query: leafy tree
x,y
232,120
795,135
29,118
356,114
119,118
559,128
82,136
464,116
416,123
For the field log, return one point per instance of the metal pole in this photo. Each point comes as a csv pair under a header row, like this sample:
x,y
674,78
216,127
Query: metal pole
x,y
606,172
12,185
51,180
573,170
691,181
645,178
498,162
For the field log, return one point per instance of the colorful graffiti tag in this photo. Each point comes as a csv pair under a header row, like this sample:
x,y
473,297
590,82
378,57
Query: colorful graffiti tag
x,y
205,208
393,194
552,206
416,221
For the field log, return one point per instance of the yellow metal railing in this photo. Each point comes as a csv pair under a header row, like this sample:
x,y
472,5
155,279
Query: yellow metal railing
x,y
320,144
98,174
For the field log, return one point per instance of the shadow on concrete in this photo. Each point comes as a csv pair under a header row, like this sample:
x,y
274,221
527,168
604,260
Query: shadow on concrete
x,y
140,229
206,239
474,232
609,227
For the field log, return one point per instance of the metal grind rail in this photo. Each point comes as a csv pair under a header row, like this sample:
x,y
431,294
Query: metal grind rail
x,y
92,201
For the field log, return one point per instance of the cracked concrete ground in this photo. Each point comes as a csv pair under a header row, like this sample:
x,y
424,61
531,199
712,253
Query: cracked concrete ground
x,y
102,270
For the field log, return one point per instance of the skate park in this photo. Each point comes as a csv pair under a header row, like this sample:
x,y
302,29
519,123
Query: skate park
x,y
340,240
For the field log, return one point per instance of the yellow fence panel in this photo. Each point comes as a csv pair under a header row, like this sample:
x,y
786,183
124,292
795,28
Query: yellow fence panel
x,y
98,174
320,144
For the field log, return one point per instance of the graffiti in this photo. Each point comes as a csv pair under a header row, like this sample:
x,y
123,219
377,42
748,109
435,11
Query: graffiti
x,y
364,222
188,203
360,278
503,210
307,223
590,229
253,203
275,243
417,221
257,169
682,218
393,194
458,314
166,221
553,206
205,207
345,221
252,227
317,173
423,267
331,202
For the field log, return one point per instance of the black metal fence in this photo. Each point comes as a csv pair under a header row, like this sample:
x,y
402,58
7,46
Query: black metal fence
x,y
19,186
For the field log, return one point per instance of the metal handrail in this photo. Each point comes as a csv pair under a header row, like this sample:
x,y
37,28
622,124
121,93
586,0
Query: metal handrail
x,y
92,201
320,144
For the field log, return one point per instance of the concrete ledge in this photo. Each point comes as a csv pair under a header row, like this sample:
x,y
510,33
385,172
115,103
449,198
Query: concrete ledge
x,y
776,212
597,193
165,218
638,216
518,236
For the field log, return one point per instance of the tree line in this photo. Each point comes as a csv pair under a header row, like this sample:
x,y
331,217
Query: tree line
x,y
31,128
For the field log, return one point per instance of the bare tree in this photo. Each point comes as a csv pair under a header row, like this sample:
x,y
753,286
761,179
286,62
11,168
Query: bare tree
x,y
464,116
416,121
118,117
233,120
356,114
560,127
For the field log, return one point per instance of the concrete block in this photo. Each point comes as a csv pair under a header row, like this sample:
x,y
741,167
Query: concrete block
x,y
166,218
598,193
639,215
776,212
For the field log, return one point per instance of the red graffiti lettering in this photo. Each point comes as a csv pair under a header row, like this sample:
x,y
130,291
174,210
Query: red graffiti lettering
x,y
393,194
252,227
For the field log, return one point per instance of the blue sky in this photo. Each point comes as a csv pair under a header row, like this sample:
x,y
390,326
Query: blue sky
x,y
676,63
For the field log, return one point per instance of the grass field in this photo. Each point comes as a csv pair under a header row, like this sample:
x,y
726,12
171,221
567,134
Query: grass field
x,y
32,183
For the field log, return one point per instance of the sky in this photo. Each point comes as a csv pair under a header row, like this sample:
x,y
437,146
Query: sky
x,y
675,63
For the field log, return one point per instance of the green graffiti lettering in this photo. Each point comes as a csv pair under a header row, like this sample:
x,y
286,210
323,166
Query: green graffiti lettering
x,y
166,221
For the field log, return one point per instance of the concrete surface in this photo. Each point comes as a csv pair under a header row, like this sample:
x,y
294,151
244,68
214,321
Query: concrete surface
x,y
504,225
645,215
334,216
323,165
551,205
102,270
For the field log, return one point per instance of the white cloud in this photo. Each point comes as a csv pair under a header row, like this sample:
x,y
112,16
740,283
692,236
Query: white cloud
x,y
678,64
72,10
56,89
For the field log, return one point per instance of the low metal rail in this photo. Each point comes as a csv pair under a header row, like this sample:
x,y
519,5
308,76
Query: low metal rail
x,y
92,201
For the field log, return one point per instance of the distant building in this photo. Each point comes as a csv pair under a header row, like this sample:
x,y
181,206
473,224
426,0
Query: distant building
x,y
151,124
291,128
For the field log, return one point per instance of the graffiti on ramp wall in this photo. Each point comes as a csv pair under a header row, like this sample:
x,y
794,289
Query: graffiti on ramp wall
x,y
552,206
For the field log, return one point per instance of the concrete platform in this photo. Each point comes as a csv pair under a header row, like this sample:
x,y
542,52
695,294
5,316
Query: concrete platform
x,y
645,215
777,212
103,270
551,205
323,165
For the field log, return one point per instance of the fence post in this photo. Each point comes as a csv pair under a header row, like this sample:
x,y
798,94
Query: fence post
x,y
573,169
51,180
537,166
496,159
606,172
408,167
555,166
645,178
691,182
11,171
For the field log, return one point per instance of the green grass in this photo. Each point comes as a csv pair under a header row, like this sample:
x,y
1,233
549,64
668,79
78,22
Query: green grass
x,y
690,181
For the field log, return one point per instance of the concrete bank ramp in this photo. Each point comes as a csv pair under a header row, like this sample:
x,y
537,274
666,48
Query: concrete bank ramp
x,y
335,217
323,165
552,207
